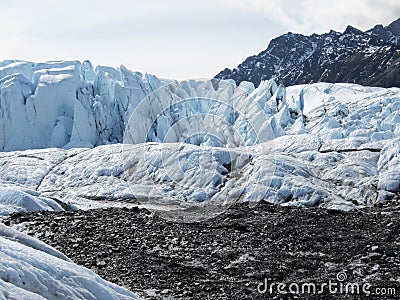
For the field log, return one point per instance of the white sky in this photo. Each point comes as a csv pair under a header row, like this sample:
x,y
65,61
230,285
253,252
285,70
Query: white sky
x,y
171,38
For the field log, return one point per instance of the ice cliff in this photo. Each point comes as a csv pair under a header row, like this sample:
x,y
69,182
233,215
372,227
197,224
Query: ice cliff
x,y
333,145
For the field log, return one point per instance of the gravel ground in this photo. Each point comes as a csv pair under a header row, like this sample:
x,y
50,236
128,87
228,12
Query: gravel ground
x,y
231,255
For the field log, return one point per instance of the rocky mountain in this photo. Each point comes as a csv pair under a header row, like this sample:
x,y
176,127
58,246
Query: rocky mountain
x,y
367,58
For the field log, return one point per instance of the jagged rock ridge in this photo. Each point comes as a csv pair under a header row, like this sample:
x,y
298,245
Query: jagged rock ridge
x,y
369,58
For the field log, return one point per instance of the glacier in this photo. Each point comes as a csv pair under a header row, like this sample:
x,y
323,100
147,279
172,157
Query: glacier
x,y
70,104
77,137
74,136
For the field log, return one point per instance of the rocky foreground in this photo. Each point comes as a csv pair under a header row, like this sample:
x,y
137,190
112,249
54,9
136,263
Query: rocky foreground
x,y
231,256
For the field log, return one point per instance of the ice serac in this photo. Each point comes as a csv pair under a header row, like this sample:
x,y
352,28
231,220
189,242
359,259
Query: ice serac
x,y
203,113
71,104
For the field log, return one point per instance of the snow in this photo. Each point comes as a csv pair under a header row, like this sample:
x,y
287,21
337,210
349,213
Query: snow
x,y
292,170
78,137
29,269
121,135
389,160
69,104
12,200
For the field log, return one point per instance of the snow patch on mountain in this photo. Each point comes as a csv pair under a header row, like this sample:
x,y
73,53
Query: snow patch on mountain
x,y
367,58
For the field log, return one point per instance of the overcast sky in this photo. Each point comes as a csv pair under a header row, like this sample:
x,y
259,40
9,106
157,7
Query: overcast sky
x,y
171,38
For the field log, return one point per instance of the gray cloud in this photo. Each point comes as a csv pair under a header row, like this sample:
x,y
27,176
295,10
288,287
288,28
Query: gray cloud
x,y
174,38
316,15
